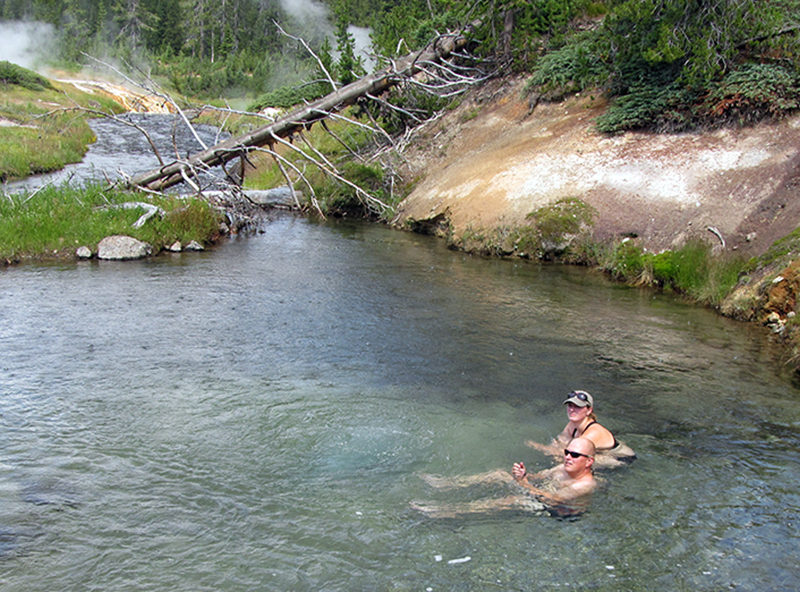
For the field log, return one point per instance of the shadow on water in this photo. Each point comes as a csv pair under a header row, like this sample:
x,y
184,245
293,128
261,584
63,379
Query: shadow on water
x,y
257,417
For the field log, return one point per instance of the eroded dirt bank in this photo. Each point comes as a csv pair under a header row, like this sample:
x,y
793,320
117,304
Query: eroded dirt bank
x,y
487,164
493,160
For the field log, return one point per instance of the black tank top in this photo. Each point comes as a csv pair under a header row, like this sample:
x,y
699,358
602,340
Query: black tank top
x,y
590,424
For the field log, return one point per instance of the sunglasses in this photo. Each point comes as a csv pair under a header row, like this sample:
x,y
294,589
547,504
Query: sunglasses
x,y
579,395
574,454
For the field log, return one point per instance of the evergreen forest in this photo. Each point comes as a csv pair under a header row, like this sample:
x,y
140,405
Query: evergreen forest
x,y
666,65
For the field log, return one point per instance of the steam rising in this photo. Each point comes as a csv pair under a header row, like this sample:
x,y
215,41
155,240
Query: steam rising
x,y
26,44
313,18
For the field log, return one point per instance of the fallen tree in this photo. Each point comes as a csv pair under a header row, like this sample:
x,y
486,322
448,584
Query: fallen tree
x,y
371,86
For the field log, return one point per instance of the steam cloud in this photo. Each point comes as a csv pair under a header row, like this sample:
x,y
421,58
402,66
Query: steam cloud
x,y
314,18
25,43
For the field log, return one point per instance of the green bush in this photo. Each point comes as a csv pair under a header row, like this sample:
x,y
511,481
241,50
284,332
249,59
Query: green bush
x,y
14,74
568,70
754,92
626,262
553,228
693,270
286,97
338,198
657,100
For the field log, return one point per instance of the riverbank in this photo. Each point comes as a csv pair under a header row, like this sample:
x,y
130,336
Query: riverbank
x,y
492,170
486,166
43,122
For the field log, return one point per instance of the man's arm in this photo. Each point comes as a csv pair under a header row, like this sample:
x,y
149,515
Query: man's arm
x,y
562,495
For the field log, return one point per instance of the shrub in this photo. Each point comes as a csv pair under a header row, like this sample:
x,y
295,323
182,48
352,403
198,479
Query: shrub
x,y
289,96
692,269
651,98
13,74
568,70
754,92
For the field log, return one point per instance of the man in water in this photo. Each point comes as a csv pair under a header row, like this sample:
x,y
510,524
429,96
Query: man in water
x,y
563,490
570,481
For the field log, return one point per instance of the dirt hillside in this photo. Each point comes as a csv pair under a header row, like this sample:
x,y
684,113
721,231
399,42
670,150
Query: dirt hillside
x,y
493,160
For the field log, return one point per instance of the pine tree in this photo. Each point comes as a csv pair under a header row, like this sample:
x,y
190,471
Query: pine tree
x,y
349,67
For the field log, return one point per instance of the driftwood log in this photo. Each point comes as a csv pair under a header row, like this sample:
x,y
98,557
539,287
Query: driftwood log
x,y
373,84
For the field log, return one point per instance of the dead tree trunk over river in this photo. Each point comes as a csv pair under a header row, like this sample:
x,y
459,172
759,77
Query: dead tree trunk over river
x,y
373,84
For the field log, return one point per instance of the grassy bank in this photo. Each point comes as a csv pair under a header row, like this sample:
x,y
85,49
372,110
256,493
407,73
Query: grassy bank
x,y
55,221
43,124
562,232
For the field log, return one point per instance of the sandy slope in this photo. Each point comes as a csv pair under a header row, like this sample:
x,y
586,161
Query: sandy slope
x,y
492,161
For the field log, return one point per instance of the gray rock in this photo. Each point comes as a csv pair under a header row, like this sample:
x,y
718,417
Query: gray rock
x,y
194,246
120,247
84,253
278,196
175,247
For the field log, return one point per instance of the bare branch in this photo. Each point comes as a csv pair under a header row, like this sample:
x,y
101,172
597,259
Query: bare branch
x,y
151,210
312,193
369,198
342,142
156,91
309,50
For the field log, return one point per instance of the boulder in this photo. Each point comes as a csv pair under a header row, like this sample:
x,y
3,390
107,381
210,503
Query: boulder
x,y
120,247
194,246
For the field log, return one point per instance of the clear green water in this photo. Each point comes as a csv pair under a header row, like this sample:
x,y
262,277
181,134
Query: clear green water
x,y
256,418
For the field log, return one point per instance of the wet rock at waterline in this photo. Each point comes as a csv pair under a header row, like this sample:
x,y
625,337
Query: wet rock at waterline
x,y
84,253
194,246
120,247
175,247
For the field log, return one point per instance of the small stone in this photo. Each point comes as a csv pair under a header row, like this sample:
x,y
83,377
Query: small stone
x,y
751,237
84,253
778,280
175,247
773,318
194,246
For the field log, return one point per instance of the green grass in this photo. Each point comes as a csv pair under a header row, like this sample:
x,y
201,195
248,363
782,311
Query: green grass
x,y
47,146
333,196
55,221
693,270
48,129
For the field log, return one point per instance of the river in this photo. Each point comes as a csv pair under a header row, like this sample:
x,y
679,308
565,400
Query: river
x,y
122,149
257,417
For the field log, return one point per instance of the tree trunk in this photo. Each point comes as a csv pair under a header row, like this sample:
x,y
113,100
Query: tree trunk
x,y
171,174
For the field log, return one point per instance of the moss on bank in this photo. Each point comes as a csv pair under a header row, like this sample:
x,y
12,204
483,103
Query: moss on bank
x,y
561,232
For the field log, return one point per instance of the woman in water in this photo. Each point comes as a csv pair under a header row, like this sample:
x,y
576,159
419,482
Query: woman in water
x,y
583,424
